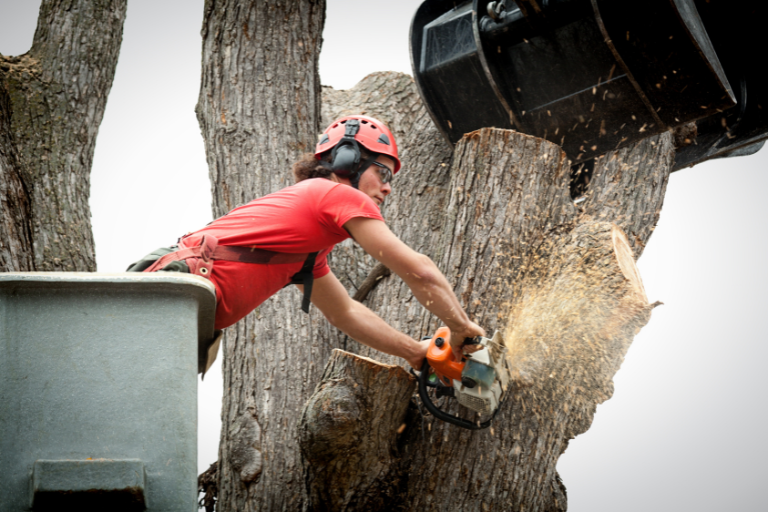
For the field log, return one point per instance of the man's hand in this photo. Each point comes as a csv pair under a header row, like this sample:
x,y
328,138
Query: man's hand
x,y
418,360
458,336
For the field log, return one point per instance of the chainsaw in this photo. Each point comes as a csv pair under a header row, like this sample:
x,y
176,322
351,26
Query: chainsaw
x,y
478,380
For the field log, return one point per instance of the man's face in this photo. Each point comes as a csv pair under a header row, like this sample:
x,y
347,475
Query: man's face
x,y
371,182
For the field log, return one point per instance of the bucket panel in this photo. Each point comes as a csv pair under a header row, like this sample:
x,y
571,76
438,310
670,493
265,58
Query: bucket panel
x,y
448,71
666,48
100,367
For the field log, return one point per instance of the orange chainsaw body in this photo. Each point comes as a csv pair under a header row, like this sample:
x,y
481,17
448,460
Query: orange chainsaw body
x,y
441,358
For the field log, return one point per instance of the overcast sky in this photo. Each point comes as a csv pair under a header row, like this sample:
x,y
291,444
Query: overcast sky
x,y
685,427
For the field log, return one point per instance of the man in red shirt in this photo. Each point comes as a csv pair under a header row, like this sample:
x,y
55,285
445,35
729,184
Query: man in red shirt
x,y
284,237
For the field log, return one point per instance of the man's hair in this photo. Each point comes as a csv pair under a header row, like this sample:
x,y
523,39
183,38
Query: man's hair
x,y
309,167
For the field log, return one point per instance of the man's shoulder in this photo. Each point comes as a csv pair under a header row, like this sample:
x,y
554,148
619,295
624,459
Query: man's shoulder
x,y
316,183
320,188
303,190
311,188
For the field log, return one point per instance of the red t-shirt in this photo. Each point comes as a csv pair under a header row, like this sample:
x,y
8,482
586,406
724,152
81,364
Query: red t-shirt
x,y
302,218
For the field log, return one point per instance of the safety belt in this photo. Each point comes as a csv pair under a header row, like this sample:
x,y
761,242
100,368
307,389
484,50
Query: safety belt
x,y
306,278
172,259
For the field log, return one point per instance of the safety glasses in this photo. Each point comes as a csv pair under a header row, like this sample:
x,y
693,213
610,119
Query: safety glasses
x,y
385,173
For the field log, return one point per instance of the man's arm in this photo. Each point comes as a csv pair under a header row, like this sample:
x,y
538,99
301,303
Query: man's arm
x,y
362,324
421,275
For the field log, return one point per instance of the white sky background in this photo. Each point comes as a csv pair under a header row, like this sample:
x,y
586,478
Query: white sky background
x,y
685,427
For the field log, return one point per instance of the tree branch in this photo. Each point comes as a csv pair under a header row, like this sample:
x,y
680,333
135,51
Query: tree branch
x,y
57,94
378,273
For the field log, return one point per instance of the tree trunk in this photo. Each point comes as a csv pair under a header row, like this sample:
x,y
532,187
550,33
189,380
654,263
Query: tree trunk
x,y
487,219
484,213
52,100
581,303
259,110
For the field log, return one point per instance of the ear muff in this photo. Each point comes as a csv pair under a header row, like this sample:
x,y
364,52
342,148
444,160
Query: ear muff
x,y
345,158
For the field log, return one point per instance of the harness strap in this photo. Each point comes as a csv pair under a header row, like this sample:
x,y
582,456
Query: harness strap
x,y
200,261
210,250
306,278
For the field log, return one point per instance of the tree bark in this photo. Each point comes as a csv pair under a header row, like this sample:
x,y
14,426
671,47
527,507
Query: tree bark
x,y
52,100
15,231
259,110
628,188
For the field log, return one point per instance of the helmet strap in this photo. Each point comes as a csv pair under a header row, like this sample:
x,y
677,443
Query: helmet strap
x,y
361,169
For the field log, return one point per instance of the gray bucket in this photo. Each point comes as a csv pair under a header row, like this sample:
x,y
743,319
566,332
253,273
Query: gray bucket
x,y
98,390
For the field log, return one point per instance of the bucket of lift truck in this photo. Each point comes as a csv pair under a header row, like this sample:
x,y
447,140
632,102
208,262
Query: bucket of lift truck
x,y
98,391
591,75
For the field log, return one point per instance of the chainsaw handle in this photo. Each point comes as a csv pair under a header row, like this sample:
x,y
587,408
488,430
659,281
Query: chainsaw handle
x,y
473,341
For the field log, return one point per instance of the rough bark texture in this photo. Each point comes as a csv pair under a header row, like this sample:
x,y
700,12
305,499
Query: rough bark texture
x,y
15,231
628,191
52,100
259,109
349,431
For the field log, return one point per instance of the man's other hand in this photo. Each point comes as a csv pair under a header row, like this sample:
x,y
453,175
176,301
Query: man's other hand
x,y
472,330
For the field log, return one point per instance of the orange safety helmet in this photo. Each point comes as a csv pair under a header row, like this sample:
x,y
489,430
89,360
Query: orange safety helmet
x,y
343,137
